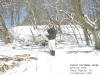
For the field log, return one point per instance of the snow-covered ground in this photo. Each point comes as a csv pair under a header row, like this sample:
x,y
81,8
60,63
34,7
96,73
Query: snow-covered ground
x,y
47,64
68,59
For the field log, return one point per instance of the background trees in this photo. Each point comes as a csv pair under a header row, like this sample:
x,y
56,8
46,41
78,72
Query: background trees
x,y
85,13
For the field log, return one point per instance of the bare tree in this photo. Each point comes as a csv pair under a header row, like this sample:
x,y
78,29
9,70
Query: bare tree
x,y
87,23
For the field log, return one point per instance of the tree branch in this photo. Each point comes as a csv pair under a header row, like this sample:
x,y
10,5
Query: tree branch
x,y
79,14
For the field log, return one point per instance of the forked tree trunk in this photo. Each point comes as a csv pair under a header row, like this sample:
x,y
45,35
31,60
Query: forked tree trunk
x,y
80,17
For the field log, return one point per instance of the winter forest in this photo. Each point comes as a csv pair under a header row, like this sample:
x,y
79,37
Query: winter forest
x,y
24,45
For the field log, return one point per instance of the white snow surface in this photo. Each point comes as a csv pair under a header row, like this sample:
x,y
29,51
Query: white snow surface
x,y
47,64
50,65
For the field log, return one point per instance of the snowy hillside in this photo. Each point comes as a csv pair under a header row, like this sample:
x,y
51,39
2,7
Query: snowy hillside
x,y
18,58
23,33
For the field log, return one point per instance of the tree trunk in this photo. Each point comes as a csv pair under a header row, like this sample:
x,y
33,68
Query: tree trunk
x,y
5,31
86,36
6,37
12,17
18,13
97,40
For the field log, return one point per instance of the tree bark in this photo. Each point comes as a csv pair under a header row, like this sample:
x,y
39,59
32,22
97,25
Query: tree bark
x,y
97,40
5,31
12,16
86,36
